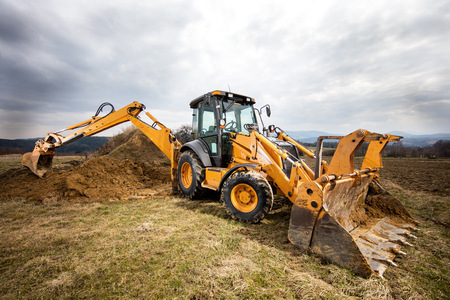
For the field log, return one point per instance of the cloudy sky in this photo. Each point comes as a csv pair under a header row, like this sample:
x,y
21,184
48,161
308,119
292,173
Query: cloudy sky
x,y
333,66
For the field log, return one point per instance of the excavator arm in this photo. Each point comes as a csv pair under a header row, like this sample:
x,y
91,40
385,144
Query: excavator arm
x,y
40,160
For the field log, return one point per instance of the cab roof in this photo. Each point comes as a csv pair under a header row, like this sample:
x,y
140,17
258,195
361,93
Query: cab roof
x,y
222,96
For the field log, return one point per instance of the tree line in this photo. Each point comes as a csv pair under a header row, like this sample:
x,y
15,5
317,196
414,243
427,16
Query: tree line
x,y
440,149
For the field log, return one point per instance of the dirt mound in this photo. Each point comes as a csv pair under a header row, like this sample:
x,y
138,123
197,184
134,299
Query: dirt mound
x,y
131,167
132,144
100,178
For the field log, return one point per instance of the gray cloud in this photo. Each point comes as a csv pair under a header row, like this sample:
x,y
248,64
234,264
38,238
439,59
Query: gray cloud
x,y
333,67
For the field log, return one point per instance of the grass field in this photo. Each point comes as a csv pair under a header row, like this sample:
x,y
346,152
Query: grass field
x,y
175,248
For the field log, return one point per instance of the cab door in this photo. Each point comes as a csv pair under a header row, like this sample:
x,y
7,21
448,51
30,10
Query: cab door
x,y
207,130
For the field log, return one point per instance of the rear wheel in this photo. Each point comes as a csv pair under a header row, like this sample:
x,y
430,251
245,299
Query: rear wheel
x,y
191,174
247,196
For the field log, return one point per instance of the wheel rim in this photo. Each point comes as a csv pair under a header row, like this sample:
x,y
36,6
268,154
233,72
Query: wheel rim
x,y
244,198
186,175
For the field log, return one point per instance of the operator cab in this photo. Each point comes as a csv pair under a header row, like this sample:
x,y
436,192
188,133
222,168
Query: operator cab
x,y
218,114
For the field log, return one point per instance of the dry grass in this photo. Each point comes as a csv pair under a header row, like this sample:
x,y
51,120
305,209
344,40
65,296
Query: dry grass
x,y
163,248
174,248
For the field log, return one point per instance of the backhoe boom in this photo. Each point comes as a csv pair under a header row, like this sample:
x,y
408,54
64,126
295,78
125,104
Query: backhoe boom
x,y
40,160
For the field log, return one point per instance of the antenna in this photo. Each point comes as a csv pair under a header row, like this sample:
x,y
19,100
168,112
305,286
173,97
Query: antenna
x,y
229,89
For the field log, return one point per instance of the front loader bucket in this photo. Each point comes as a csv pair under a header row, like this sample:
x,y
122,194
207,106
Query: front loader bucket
x,y
38,163
352,222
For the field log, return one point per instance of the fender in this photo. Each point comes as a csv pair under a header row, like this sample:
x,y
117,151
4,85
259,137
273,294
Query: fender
x,y
232,170
201,149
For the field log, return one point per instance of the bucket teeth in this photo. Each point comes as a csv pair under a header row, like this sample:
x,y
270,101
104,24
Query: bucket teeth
x,y
362,227
410,227
407,244
378,268
411,236
381,244
399,252
391,262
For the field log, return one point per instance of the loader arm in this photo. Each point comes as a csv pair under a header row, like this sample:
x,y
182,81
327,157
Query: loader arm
x,y
257,149
321,165
345,216
40,160
339,212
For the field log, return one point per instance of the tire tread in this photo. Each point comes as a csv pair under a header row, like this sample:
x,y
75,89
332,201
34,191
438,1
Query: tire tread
x,y
261,183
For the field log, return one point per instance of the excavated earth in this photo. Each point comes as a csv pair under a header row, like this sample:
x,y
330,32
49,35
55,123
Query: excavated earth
x,y
128,166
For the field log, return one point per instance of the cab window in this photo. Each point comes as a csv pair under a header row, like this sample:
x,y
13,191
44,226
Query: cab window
x,y
237,115
207,127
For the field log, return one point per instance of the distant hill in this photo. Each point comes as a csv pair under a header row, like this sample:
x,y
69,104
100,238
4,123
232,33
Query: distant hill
x,y
86,144
409,140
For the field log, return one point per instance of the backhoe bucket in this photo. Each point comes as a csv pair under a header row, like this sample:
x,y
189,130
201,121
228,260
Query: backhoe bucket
x,y
352,222
38,163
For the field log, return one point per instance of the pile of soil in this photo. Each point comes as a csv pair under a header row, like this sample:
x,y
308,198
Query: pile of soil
x,y
136,168
134,145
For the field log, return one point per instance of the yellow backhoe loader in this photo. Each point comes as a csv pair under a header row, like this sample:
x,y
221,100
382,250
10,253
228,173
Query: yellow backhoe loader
x,y
339,212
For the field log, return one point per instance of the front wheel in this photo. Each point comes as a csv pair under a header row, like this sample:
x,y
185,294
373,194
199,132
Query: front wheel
x,y
247,196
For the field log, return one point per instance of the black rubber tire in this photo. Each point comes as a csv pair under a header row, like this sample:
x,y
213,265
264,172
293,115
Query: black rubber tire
x,y
263,191
194,190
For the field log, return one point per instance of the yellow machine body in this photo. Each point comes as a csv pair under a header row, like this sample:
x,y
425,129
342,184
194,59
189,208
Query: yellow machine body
x,y
339,212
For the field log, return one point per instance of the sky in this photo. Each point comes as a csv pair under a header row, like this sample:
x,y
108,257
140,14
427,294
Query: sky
x,y
332,66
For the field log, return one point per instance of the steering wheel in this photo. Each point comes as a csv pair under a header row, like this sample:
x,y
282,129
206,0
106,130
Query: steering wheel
x,y
230,124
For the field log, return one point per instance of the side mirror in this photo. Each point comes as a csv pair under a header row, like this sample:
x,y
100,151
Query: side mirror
x,y
268,112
